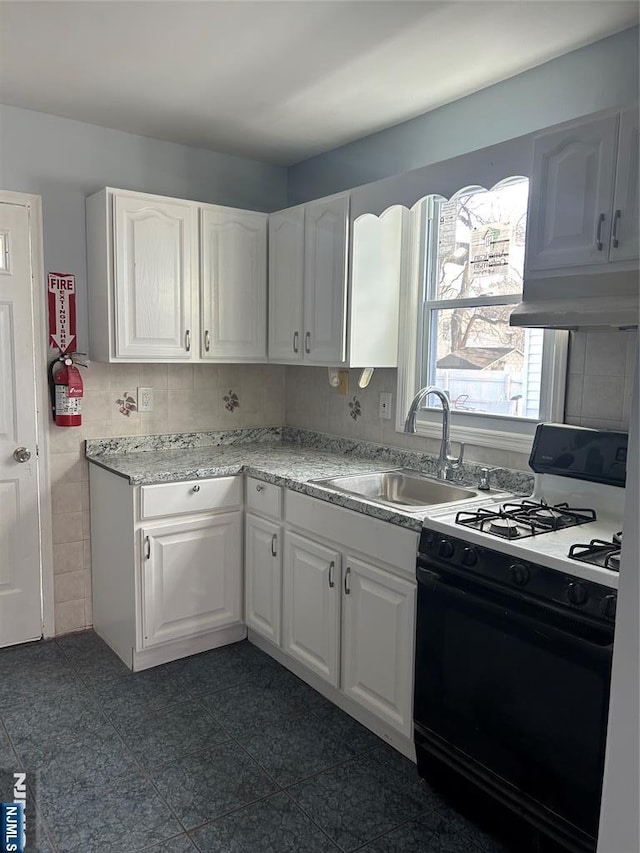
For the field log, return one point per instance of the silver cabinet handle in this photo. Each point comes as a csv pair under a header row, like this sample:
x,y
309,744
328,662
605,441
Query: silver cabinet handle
x,y
22,454
601,219
347,588
332,566
147,548
614,236
307,342
296,336
196,488
207,340
187,340
274,545
259,488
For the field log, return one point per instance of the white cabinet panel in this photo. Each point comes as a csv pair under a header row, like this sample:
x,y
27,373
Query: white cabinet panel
x,y
325,279
263,577
571,193
377,642
234,284
191,578
626,227
311,607
286,283
154,264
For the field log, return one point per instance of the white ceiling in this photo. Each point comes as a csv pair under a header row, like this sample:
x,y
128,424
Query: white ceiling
x,y
278,81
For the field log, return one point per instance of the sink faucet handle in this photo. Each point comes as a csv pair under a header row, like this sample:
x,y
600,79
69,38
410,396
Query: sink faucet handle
x,y
456,461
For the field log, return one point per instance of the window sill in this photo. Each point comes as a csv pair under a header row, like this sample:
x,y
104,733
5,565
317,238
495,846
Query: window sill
x,y
516,442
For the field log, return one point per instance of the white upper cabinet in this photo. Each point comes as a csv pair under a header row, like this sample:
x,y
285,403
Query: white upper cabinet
x,y
153,258
571,192
234,284
583,205
160,291
325,279
334,292
286,283
626,227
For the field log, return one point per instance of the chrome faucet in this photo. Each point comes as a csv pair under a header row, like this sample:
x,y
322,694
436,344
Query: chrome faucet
x,y
446,462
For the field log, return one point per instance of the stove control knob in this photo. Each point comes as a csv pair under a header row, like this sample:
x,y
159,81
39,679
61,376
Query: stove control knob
x,y
469,557
577,593
519,573
608,606
446,549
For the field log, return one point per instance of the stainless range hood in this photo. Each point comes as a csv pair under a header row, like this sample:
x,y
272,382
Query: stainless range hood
x,y
572,301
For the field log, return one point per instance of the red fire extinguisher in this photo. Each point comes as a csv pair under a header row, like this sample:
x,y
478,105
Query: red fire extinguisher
x,y
65,383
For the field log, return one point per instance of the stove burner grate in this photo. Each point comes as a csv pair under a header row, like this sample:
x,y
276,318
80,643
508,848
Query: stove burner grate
x,y
598,552
519,520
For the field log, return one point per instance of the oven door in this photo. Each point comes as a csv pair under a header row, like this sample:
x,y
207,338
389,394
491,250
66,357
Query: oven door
x,y
514,693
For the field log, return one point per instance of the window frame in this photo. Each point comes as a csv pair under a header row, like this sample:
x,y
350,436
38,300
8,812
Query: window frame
x,y
481,429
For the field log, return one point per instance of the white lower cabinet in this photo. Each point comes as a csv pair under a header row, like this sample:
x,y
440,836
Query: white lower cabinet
x,y
378,629
311,594
348,617
191,578
166,565
263,577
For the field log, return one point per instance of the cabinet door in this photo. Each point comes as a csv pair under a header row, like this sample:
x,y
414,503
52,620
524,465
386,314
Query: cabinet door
x,y
191,578
311,609
155,263
378,642
263,577
626,227
234,285
286,283
570,199
325,279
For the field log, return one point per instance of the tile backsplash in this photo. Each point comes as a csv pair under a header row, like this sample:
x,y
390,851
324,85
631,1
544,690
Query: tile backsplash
x,y
600,378
191,398
186,398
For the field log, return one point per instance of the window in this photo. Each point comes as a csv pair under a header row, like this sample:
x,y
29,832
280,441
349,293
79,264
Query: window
x,y
498,378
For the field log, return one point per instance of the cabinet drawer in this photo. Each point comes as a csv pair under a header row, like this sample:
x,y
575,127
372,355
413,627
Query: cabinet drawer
x,y
264,498
190,496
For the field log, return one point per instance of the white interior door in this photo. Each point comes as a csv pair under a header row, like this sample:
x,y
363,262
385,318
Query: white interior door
x,y
20,612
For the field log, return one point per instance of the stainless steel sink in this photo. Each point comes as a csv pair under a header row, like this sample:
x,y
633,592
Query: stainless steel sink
x,y
401,489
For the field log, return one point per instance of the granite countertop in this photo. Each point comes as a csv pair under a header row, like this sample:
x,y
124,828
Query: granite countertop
x,y
290,465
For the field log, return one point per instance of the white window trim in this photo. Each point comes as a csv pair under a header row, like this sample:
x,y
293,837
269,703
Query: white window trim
x,y
517,434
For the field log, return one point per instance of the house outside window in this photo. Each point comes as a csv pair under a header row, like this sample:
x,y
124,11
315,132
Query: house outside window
x,y
500,380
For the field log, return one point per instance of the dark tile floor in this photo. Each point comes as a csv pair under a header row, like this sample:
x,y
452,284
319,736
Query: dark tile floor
x,y
223,752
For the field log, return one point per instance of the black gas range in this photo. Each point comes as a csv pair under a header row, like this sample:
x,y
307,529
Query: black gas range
x,y
515,620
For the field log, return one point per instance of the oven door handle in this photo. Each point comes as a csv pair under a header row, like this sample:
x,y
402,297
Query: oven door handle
x,y
436,583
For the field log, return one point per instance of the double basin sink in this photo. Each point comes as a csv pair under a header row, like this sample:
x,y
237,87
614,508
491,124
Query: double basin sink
x,y
401,488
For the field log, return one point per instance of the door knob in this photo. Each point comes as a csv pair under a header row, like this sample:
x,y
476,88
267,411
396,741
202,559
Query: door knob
x,y
21,454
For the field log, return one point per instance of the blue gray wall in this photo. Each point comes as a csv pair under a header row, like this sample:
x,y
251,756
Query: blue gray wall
x,y
64,161
596,77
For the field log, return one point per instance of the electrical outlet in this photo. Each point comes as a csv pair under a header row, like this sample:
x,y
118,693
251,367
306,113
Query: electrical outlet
x,y
145,399
343,382
384,407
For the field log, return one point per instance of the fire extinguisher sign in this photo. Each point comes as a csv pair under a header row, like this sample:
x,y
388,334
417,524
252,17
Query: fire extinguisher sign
x,y
62,311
